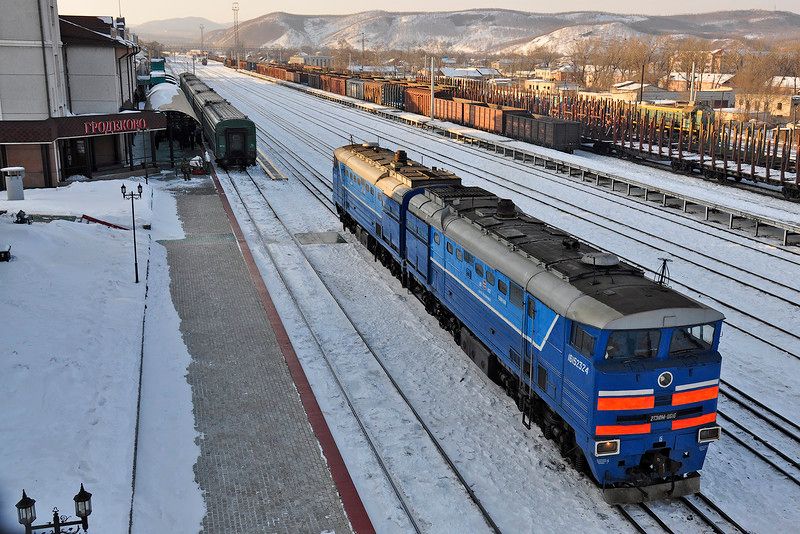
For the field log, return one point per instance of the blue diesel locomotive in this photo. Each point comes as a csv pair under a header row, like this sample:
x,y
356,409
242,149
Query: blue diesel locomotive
x,y
620,371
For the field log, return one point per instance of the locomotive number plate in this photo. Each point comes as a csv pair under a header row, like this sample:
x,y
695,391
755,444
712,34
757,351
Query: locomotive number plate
x,y
663,416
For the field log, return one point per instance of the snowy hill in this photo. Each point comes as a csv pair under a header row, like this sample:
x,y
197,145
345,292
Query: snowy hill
x,y
178,30
494,30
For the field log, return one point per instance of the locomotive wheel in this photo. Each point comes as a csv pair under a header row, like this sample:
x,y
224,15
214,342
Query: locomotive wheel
x,y
578,460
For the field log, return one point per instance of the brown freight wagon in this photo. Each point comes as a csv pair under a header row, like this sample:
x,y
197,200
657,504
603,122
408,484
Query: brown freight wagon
x,y
338,85
418,99
373,91
448,110
546,131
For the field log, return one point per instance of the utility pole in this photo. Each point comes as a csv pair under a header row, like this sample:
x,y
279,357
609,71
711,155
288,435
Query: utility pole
x,y
236,33
432,88
202,41
362,52
641,86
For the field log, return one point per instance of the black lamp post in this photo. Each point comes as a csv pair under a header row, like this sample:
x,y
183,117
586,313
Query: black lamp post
x,y
133,196
26,514
143,131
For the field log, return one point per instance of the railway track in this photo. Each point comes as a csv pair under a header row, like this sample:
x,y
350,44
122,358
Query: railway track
x,y
791,297
647,518
396,485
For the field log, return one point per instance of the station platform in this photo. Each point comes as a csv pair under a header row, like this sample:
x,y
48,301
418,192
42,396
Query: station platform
x,y
268,462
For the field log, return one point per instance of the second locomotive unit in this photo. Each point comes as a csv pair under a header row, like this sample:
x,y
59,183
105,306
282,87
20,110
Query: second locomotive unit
x,y
620,371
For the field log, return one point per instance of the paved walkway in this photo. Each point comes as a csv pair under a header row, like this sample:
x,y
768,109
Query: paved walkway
x,y
260,466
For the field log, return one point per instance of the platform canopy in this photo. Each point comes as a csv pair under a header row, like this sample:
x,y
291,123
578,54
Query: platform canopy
x,y
169,97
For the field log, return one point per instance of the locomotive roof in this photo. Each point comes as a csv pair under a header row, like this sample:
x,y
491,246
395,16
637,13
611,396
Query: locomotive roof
x,y
378,166
564,273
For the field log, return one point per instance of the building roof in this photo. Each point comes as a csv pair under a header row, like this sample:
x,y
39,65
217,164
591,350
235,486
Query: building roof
x,y
96,32
469,72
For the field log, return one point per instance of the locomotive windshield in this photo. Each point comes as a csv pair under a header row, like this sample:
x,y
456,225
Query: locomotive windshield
x,y
691,339
633,344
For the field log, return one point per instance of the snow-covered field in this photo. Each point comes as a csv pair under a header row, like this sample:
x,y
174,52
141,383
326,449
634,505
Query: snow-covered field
x,y
71,338
733,477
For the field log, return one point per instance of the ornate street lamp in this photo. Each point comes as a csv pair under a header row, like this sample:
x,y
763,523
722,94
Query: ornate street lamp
x,y
83,506
26,510
26,514
133,196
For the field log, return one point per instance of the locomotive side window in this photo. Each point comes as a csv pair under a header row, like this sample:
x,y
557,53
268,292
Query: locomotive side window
x,y
626,344
478,269
516,295
449,248
458,254
436,238
531,307
490,277
691,338
502,287
468,257
582,340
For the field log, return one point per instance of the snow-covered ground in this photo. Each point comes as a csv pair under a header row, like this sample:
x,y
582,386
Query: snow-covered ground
x,y
71,338
732,476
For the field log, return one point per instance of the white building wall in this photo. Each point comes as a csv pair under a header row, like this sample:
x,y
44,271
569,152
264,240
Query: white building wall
x,y
94,83
23,91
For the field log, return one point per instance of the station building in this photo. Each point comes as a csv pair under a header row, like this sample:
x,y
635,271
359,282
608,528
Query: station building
x,y
67,85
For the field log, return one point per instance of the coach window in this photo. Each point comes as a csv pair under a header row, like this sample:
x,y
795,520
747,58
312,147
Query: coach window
x,y
435,238
515,296
582,340
458,254
502,287
449,248
478,269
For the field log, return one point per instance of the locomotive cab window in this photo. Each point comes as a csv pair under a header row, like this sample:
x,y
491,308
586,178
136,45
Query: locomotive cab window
x,y
691,339
633,344
582,340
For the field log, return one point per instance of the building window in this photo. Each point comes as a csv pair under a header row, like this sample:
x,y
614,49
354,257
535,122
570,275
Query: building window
x,y
779,106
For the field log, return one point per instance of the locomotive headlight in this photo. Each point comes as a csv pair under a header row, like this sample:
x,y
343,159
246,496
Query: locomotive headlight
x,y
665,379
711,433
606,448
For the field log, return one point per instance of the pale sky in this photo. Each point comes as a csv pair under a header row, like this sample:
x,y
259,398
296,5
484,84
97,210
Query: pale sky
x,y
138,11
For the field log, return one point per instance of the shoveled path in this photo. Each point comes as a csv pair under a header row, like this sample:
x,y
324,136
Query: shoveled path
x,y
267,462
